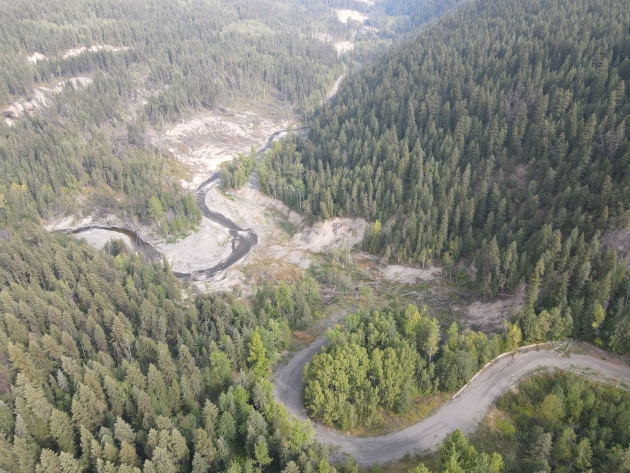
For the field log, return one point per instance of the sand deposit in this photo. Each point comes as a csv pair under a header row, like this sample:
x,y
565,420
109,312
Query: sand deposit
x,y
334,89
203,142
212,137
99,236
200,250
40,98
284,240
345,15
328,234
324,38
340,46
36,57
208,139
405,274
274,223
225,282
93,49
76,51
343,47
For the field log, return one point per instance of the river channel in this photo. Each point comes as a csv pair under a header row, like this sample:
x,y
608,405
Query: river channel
x,y
243,240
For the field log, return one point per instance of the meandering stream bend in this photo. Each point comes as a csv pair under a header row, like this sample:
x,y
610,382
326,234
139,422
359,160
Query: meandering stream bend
x,y
243,240
464,412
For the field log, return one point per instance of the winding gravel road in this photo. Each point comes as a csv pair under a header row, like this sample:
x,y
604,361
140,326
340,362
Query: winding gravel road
x,y
464,411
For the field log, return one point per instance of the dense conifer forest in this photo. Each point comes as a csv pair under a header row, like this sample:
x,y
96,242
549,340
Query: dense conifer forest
x,y
120,67
493,143
495,140
106,367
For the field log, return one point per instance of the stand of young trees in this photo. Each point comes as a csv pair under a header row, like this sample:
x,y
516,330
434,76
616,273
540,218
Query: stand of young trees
x,y
105,368
235,173
561,422
384,361
456,455
497,137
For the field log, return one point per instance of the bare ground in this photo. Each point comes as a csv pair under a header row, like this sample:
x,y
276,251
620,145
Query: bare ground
x,y
405,274
202,143
345,15
66,222
343,47
210,138
370,29
97,237
340,46
284,239
619,240
93,49
36,57
200,250
490,316
40,98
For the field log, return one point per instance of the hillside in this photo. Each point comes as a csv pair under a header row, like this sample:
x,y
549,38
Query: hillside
x,y
89,90
490,149
496,141
106,367
83,84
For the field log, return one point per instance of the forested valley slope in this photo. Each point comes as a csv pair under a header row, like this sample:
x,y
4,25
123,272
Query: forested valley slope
x,y
494,141
93,77
493,144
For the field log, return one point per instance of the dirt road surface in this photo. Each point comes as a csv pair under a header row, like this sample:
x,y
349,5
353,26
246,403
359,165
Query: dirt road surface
x,y
465,411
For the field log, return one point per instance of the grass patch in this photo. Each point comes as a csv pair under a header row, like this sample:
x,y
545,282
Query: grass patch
x,y
287,273
409,462
281,221
288,227
422,407
491,439
180,236
497,433
302,338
